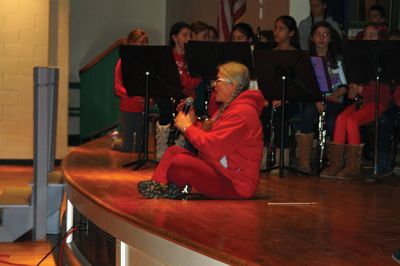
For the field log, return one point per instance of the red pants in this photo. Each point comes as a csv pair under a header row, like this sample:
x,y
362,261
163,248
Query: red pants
x,y
349,121
181,167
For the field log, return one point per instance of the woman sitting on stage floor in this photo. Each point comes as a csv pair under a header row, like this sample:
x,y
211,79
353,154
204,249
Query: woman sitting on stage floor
x,y
345,160
229,146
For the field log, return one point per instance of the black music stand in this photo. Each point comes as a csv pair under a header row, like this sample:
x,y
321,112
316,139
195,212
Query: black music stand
x,y
264,45
366,61
285,75
203,59
149,71
240,52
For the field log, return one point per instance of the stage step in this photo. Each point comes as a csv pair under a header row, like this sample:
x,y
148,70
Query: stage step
x,y
54,179
15,197
16,212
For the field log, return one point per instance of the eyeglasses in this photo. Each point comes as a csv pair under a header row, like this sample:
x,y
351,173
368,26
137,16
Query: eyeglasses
x,y
218,81
319,35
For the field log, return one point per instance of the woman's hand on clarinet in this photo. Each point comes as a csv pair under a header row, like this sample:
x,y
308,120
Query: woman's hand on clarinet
x,y
320,107
333,98
180,105
276,103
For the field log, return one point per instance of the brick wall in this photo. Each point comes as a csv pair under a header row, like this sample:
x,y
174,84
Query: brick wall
x,y
24,43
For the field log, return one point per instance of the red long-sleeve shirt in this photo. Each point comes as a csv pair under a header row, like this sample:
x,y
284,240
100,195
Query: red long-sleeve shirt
x,y
127,103
189,84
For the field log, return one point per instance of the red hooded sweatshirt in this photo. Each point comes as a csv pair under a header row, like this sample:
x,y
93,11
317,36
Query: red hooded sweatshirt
x,y
234,145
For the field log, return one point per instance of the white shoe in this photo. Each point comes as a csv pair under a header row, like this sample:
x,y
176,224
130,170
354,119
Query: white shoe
x,y
162,133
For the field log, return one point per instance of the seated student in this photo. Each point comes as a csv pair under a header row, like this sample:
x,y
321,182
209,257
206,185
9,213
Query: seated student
x,y
229,145
200,31
242,32
386,123
345,151
212,34
286,38
131,107
180,33
324,44
318,12
376,15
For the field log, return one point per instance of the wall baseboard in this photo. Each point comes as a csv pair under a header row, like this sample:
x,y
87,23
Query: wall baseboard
x,y
23,162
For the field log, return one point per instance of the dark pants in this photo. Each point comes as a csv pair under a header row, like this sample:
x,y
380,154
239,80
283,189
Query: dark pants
x,y
131,123
309,117
385,127
291,109
166,109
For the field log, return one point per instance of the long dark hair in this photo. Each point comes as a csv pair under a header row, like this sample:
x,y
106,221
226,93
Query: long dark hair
x,y
334,47
291,24
245,29
175,29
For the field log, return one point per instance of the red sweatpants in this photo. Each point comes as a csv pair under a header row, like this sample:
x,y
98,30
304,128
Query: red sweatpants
x,y
181,167
349,121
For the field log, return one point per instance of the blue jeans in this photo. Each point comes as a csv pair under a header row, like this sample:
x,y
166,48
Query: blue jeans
x,y
309,116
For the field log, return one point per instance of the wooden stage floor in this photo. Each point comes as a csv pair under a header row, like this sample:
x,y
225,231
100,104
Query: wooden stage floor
x,y
351,223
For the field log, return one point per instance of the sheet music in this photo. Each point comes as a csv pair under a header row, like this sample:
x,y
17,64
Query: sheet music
x,y
320,73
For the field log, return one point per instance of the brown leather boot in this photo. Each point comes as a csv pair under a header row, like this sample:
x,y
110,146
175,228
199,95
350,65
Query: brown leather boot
x,y
336,160
304,149
352,169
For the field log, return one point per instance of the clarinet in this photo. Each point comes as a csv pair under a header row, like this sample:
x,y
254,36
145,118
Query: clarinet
x,y
271,145
322,138
172,129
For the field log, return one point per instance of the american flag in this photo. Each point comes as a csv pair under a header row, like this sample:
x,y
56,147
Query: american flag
x,y
230,12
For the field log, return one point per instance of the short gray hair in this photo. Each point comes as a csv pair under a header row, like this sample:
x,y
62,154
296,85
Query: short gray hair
x,y
235,72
